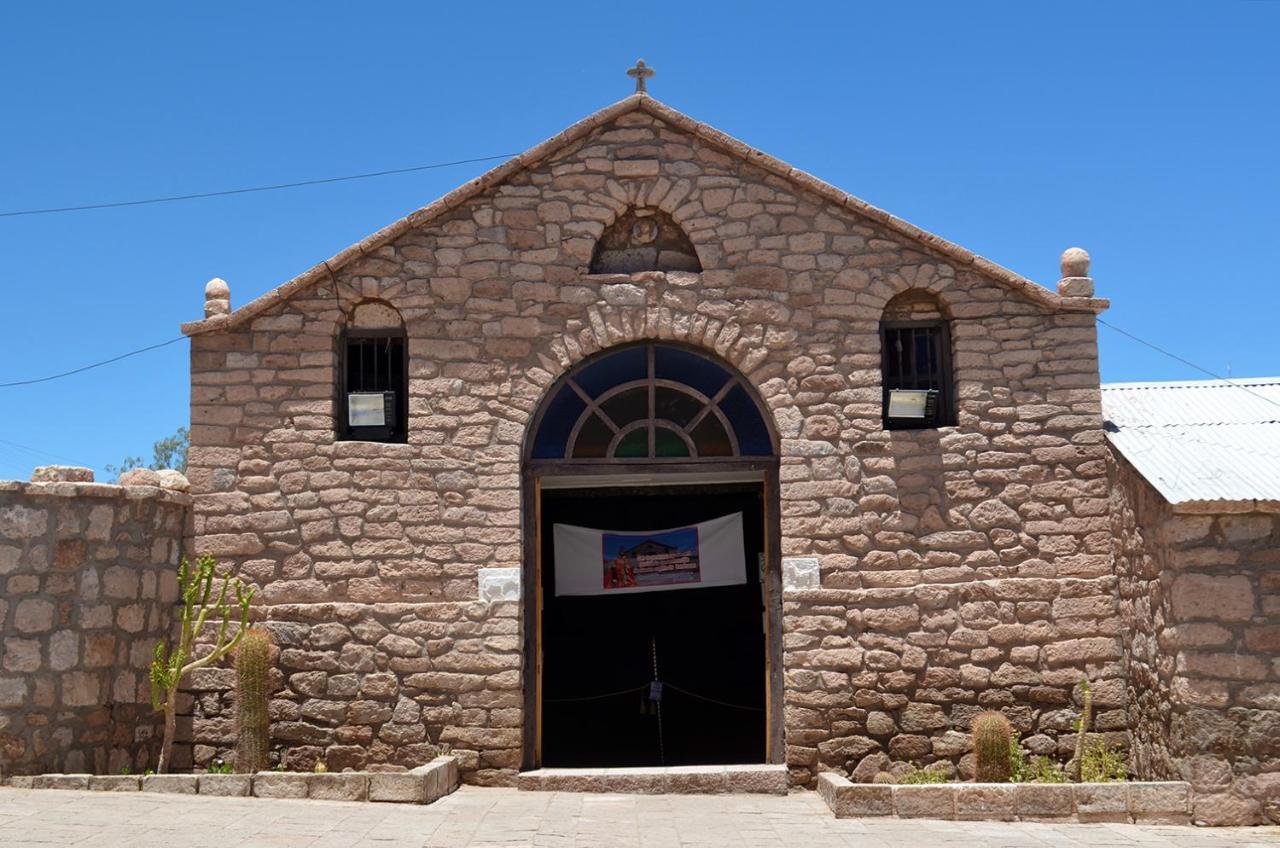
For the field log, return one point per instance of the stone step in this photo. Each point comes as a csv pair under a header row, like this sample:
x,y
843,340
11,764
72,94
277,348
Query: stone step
x,y
671,780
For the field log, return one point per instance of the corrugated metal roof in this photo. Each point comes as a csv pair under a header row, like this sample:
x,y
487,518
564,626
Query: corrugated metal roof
x,y
1201,440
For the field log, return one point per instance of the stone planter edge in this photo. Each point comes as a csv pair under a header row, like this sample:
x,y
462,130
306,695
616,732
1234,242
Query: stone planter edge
x,y
1163,802
421,785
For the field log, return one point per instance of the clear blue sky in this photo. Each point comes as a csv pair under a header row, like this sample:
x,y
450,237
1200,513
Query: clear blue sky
x,y
1144,132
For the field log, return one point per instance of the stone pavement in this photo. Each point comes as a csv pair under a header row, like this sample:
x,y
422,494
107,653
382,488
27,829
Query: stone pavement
x,y
476,817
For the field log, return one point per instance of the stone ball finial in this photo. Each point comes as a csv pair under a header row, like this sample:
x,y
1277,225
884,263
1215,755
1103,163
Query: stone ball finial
x,y
1075,262
217,298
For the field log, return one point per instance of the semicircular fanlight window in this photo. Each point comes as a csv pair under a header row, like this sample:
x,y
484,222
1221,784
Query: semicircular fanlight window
x,y
651,402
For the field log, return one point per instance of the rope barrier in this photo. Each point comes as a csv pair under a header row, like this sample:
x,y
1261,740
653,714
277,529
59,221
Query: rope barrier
x,y
595,697
676,688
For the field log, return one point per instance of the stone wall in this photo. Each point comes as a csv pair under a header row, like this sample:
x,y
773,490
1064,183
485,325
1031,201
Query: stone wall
x,y
960,568
1200,601
88,573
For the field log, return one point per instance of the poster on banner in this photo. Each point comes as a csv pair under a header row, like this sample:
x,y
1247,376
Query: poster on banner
x,y
611,562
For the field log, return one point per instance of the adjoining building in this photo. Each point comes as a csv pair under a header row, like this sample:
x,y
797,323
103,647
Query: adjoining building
x,y
1195,516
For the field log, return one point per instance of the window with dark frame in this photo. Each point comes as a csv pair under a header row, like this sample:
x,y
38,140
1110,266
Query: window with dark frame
x,y
374,395
916,357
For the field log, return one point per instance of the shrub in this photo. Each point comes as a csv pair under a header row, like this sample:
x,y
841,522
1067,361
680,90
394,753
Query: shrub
x,y
253,723
928,774
883,777
1018,770
1102,763
992,744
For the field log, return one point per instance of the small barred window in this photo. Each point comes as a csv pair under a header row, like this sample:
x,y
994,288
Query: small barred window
x,y
916,366
373,402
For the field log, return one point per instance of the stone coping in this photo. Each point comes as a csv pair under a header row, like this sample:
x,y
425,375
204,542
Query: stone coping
x,y
421,785
1126,802
94,490
670,780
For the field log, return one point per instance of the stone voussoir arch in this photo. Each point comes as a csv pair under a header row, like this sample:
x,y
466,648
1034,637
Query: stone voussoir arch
x,y
740,345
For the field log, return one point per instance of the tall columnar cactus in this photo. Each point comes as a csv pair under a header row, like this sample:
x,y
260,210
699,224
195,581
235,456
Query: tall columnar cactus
x,y
172,664
253,692
1082,729
992,741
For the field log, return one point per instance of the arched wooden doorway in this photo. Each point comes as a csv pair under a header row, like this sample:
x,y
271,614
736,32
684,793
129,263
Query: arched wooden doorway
x,y
647,437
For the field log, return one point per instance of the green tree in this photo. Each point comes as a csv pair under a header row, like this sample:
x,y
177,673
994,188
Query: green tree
x,y
170,452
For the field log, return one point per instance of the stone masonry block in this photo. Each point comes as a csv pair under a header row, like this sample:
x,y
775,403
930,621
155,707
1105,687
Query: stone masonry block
x,y
986,801
1105,802
697,780
1162,803
765,779
115,782
1044,800
175,784
233,785
555,780
851,800
61,781
636,781
928,801
402,788
280,784
351,786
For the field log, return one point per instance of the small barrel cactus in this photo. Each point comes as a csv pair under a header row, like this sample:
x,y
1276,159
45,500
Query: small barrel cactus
x,y
253,725
992,743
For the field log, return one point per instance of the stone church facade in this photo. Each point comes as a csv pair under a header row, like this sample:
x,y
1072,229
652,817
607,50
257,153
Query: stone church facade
x,y
911,577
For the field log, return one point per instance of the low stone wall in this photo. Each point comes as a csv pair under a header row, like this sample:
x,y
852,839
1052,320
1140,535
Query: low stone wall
x,y
88,576
1158,803
1200,599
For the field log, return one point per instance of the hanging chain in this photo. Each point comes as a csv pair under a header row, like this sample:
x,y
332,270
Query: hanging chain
x,y
662,752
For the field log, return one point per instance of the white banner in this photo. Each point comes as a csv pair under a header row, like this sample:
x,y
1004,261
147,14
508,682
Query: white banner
x,y
607,562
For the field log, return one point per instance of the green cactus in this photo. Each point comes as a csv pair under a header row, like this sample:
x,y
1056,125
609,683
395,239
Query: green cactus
x,y
253,725
992,739
174,662
1082,729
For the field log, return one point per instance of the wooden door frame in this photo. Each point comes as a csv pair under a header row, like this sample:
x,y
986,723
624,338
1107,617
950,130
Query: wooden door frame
x,y
531,604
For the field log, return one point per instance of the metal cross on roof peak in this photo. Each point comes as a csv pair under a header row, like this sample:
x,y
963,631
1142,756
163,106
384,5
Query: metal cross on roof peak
x,y
640,73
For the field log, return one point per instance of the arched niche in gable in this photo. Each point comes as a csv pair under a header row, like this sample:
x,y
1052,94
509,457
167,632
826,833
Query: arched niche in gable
x,y
643,239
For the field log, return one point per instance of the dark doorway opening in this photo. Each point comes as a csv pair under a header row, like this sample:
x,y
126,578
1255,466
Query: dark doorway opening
x,y
710,643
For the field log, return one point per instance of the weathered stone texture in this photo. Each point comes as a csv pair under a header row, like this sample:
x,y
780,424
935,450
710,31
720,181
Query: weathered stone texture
x,y
960,569
1199,598
88,576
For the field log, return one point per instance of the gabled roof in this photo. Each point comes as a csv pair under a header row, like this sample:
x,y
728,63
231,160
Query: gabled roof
x,y
643,103
1199,441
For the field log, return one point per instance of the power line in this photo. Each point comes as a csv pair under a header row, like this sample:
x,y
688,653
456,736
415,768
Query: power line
x,y
227,192
88,367
1189,363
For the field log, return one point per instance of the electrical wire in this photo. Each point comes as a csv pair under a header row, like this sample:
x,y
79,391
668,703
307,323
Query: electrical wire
x,y
84,368
1189,363
228,192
